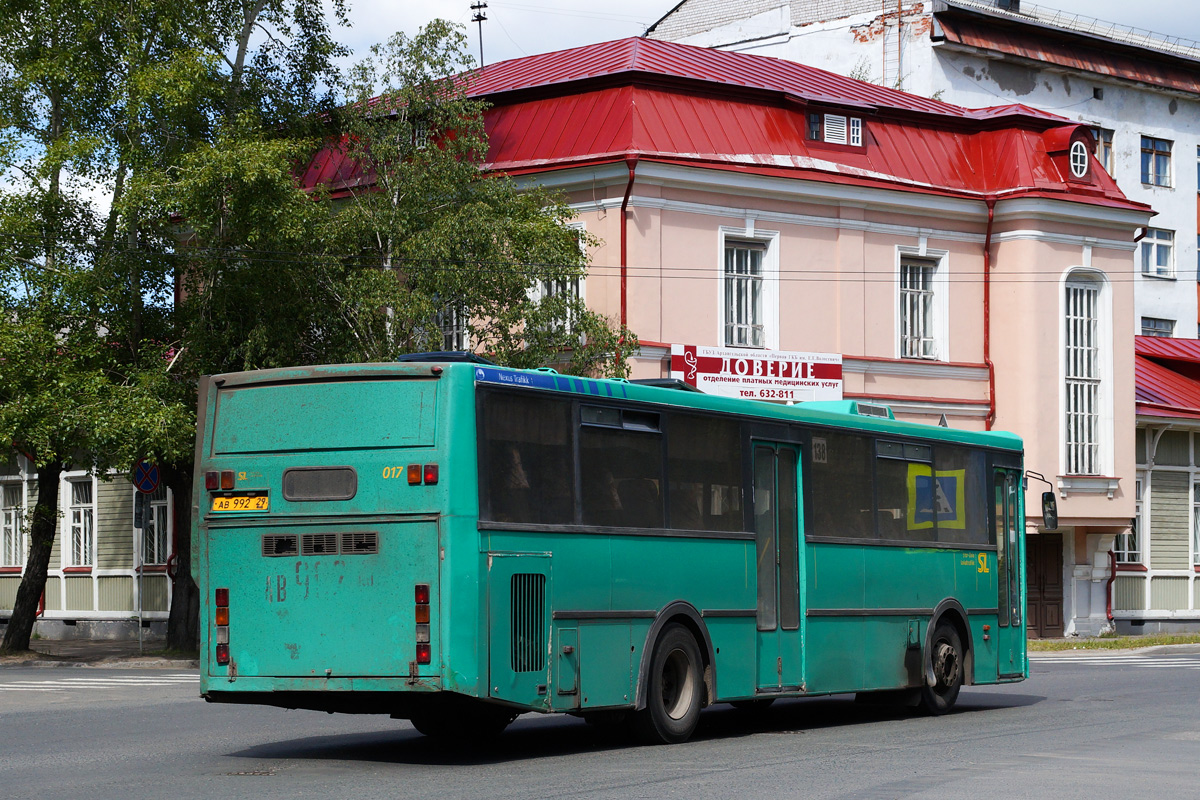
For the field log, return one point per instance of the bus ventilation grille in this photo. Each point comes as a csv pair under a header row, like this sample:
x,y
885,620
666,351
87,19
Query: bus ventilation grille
x,y
280,544
528,622
360,543
318,544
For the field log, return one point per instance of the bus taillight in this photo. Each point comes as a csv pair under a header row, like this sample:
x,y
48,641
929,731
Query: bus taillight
x,y
424,651
221,618
226,479
431,474
212,481
414,474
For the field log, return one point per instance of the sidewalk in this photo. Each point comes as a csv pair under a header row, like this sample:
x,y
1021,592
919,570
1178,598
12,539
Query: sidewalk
x,y
98,653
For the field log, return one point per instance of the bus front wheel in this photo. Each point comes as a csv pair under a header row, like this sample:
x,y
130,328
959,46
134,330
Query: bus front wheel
x,y
675,690
946,661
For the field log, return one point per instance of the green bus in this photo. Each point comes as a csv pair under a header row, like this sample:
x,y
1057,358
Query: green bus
x,y
456,543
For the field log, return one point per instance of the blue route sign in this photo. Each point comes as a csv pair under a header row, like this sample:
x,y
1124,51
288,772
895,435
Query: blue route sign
x,y
145,476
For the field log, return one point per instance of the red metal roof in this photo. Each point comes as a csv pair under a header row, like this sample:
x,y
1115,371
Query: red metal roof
x,y
688,105
1066,49
1167,375
652,57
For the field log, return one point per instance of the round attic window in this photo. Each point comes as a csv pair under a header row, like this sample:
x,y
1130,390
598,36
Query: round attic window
x,y
1079,159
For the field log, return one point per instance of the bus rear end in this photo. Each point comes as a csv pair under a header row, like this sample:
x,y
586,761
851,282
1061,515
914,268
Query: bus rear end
x,y
318,501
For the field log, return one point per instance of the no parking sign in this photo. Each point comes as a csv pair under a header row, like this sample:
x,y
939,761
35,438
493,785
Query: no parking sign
x,y
145,476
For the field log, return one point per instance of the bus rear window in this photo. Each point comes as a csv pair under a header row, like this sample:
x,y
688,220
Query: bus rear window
x,y
528,463
338,415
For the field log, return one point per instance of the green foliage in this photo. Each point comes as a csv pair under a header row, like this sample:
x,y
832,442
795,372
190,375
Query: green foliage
x,y
279,277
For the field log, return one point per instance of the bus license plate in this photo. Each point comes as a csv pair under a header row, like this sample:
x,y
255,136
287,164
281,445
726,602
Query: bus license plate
x,y
241,502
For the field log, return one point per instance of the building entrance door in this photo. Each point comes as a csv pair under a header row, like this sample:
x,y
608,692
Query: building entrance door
x,y
1044,571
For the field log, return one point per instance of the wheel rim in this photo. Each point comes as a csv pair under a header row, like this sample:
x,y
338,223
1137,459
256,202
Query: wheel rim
x,y
678,684
945,665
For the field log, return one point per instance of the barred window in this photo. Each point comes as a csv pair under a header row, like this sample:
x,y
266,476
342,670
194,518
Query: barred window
x,y
1126,547
12,550
453,323
917,338
156,533
744,294
83,523
1082,378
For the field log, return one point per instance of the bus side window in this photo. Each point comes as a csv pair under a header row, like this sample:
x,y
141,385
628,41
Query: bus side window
x,y
841,482
530,469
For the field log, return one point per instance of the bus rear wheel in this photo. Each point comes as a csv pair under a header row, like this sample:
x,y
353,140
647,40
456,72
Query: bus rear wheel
x,y
675,690
946,660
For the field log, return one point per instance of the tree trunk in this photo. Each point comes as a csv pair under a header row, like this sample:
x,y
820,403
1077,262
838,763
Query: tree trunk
x,y
41,542
183,624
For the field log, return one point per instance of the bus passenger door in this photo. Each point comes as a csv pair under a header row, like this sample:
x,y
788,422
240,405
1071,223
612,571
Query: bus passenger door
x,y
777,555
1008,524
519,628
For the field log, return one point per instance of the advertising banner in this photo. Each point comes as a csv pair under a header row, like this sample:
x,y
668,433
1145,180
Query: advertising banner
x,y
777,375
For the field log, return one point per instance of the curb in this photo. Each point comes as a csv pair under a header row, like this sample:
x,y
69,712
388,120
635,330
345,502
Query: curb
x,y
159,663
1188,647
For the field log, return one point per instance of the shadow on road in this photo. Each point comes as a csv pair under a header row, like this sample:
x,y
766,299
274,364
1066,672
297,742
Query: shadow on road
x,y
536,736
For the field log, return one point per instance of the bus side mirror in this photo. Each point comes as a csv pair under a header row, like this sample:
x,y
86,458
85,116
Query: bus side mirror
x,y
1049,510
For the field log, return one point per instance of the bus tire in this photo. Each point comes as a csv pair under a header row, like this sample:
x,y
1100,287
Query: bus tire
x,y
675,690
946,660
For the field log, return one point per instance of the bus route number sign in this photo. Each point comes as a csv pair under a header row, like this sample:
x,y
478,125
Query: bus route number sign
x,y
241,501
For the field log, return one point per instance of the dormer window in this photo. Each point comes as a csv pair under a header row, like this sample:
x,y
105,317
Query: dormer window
x,y
1079,159
836,129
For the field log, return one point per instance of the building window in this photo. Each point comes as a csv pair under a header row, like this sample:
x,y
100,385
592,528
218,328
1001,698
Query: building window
x,y
1156,161
12,514
917,339
1158,253
1104,148
1079,160
836,129
1126,546
453,324
156,540
1196,523
1152,326
83,523
1082,378
568,290
744,294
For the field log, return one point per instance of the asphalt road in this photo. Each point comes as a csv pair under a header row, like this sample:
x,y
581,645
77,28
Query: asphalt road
x,y
1093,725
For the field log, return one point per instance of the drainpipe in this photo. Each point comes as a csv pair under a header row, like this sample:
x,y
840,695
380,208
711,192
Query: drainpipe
x,y
1112,576
987,313
631,162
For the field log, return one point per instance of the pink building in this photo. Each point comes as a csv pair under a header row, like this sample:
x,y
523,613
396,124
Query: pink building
x,y
971,264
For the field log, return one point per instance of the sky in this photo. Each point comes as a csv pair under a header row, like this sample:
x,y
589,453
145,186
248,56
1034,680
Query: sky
x,y
528,27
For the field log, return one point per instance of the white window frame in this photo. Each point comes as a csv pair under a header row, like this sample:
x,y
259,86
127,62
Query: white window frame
x,y
1079,160
13,548
1195,516
1127,547
940,306
1102,459
452,324
158,526
79,524
770,281
1149,248
576,286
